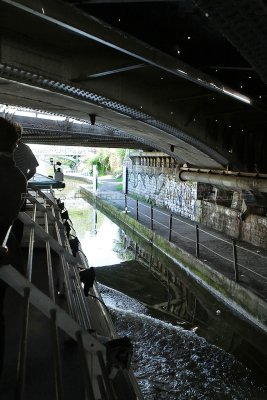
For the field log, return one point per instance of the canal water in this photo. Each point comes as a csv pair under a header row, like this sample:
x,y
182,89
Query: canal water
x,y
172,358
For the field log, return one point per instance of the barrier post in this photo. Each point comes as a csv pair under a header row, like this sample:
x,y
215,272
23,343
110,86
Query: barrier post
x,y
170,228
235,261
151,217
197,241
136,251
137,210
125,203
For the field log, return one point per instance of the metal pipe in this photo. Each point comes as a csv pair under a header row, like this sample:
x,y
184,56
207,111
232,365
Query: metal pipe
x,y
105,375
235,261
101,386
3,247
75,302
87,319
170,228
125,203
197,241
151,218
7,236
56,355
65,268
21,371
228,182
84,368
49,260
31,246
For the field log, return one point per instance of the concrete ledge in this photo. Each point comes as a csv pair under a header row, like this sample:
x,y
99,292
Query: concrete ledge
x,y
86,179
232,294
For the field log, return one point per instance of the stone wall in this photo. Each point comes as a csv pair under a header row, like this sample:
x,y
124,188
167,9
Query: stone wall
x,y
156,179
162,187
254,230
221,218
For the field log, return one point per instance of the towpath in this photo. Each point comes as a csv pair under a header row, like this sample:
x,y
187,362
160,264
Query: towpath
x,y
215,249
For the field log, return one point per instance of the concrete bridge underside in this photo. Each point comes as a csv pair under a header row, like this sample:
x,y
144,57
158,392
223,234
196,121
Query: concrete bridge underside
x,y
57,59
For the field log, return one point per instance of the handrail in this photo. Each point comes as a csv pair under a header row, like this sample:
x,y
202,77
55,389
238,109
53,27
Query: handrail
x,y
6,236
76,321
41,234
41,301
3,246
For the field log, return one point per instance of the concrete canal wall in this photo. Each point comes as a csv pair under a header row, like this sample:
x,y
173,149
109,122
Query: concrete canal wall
x,y
246,304
155,178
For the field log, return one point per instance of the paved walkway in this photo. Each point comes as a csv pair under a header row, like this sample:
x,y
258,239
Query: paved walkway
x,y
215,249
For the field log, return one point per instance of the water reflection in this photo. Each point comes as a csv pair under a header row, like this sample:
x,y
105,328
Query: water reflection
x,y
100,238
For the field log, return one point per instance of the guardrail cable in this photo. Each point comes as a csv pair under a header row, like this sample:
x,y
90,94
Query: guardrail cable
x,y
171,224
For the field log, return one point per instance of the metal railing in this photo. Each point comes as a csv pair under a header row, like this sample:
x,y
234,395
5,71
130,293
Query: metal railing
x,y
75,320
244,262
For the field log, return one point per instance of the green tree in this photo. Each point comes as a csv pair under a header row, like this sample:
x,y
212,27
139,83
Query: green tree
x,y
108,161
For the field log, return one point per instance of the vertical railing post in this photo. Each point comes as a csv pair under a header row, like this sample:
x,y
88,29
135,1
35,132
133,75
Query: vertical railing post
x,y
136,251
170,228
197,241
151,217
150,262
137,210
168,287
21,369
125,203
235,261
56,355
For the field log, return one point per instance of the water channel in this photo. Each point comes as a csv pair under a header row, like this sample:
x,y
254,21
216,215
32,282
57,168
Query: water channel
x,y
178,332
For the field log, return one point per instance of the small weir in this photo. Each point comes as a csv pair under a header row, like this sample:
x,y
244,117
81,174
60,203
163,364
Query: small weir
x,y
187,345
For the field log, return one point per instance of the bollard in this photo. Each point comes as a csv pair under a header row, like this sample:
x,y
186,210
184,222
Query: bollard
x,y
151,217
170,228
137,210
235,261
197,242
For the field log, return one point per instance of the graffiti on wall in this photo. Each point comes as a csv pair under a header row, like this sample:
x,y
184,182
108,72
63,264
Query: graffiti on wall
x,y
164,190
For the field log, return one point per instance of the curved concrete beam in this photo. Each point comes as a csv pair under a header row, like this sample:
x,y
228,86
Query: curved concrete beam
x,y
60,60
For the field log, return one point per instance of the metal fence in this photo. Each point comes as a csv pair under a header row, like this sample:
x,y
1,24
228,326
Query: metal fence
x,y
239,261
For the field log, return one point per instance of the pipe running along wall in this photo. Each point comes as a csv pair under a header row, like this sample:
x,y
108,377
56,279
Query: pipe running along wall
x,y
225,181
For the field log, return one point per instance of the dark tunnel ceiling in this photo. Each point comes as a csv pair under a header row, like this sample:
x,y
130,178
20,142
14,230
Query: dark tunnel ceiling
x,y
183,30
155,73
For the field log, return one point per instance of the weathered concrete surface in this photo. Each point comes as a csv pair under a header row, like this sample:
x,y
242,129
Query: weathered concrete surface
x,y
136,281
221,210
162,187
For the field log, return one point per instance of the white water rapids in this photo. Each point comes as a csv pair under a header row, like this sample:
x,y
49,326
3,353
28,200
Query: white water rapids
x,y
175,364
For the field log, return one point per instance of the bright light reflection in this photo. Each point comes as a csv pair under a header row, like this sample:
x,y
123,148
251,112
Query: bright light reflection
x,y
25,113
7,108
75,121
238,96
33,114
52,117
